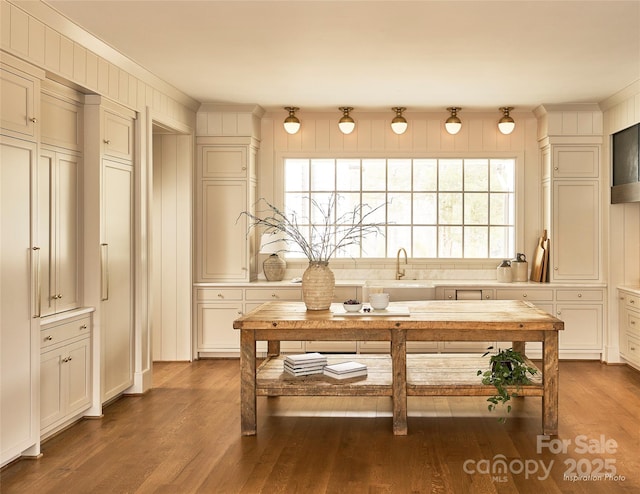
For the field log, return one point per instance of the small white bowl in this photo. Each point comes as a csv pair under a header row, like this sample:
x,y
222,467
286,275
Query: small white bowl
x,y
352,307
379,301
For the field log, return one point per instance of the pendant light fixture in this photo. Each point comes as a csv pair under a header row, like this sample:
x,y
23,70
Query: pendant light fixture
x,y
453,124
346,123
399,123
291,123
506,124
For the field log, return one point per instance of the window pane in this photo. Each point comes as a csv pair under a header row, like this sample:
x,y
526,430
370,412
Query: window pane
x,y
399,175
450,241
476,242
321,207
450,209
397,237
348,175
502,244
425,242
373,246
296,207
502,175
374,175
399,209
323,174
476,209
296,175
370,202
346,205
425,175
425,210
476,175
450,175
502,209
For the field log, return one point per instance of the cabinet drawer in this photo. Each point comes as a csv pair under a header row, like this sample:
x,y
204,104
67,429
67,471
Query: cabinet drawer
x,y
578,295
266,294
212,294
632,301
633,322
632,350
525,294
57,334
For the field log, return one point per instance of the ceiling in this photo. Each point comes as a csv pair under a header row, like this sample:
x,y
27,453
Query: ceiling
x,y
373,55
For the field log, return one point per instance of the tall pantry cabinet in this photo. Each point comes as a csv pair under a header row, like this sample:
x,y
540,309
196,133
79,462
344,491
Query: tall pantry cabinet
x,y
109,266
19,255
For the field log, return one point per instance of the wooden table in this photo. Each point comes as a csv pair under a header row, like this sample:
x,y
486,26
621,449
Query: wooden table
x,y
397,375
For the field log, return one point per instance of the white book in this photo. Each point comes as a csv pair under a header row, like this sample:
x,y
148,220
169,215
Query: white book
x,y
305,358
303,367
345,367
303,372
346,375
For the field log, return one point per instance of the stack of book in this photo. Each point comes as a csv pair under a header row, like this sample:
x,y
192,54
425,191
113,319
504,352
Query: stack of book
x,y
345,370
304,364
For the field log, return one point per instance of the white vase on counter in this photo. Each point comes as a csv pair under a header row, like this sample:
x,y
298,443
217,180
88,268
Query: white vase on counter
x,y
504,273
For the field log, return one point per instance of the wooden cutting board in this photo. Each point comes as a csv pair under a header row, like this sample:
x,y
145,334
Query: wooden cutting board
x,y
537,266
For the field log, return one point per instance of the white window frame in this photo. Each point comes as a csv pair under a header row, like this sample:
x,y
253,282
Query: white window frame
x,y
278,189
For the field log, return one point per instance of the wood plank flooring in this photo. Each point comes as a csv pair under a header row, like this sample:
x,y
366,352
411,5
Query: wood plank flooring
x,y
184,437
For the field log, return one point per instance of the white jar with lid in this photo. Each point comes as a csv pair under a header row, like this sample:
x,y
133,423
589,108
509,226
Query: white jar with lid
x,y
504,272
520,268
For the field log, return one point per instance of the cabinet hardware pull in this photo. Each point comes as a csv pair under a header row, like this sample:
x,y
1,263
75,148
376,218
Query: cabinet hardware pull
x,y
239,312
35,251
107,141
632,301
555,268
524,295
579,295
633,349
48,338
559,313
487,297
220,295
104,272
84,326
273,295
633,323
34,119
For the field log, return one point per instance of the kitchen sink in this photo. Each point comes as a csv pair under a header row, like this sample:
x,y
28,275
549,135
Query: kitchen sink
x,y
401,290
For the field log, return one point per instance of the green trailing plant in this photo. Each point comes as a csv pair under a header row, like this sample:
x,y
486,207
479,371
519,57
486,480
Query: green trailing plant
x,y
326,237
507,369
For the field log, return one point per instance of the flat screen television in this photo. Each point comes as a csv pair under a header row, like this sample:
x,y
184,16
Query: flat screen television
x,y
625,177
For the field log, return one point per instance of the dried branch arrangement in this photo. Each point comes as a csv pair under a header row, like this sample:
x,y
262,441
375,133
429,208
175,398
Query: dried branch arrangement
x,y
328,236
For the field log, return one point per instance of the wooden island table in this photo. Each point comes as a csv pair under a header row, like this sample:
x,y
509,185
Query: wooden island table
x,y
397,375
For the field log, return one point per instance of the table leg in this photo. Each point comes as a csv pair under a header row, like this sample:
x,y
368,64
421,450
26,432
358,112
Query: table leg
x,y
550,378
247,382
518,346
273,348
399,383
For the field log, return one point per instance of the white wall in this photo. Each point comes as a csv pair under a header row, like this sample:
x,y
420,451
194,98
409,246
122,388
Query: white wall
x,y
319,135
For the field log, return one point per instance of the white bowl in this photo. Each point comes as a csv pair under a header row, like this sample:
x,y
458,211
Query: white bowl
x,y
352,307
379,301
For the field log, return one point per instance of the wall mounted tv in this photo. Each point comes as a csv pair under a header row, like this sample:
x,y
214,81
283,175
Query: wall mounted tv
x,y
625,170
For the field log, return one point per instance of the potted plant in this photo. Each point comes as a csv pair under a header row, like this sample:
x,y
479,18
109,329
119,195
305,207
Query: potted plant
x,y
507,369
323,240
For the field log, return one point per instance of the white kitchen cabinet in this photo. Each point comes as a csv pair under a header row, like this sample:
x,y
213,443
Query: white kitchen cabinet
x,y
629,326
20,103
19,307
572,208
214,313
117,278
582,327
58,230
65,373
109,267
225,187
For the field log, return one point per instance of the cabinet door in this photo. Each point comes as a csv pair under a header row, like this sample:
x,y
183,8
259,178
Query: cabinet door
x,y
575,238
223,161
62,123
576,161
51,379
118,136
582,326
19,310
222,232
215,326
19,105
78,376
117,279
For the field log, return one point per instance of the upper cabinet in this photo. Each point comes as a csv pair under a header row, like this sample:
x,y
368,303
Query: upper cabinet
x,y
572,209
20,104
118,136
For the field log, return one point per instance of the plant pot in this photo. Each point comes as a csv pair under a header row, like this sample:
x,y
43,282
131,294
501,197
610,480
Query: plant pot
x,y
318,285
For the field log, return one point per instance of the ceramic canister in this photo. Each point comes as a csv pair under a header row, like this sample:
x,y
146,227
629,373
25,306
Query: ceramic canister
x,y
520,268
504,274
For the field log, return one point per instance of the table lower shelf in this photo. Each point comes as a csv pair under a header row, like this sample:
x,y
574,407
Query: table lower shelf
x,y
427,375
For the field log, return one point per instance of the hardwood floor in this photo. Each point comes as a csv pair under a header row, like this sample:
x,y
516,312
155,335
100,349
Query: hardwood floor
x,y
184,437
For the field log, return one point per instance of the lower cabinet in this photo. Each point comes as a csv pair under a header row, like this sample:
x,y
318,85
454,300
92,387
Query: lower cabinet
x,y
629,324
65,373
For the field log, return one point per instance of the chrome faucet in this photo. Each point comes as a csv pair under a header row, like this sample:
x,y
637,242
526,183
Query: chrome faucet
x,y
400,273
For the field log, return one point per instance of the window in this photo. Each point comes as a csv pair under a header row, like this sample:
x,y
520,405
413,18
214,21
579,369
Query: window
x,y
433,207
